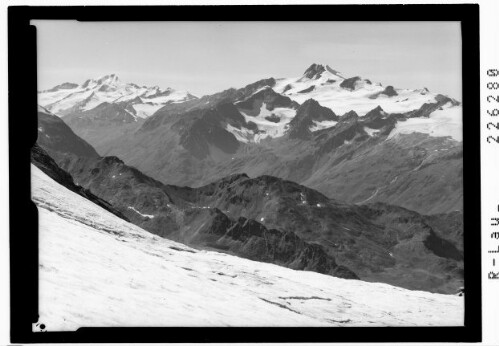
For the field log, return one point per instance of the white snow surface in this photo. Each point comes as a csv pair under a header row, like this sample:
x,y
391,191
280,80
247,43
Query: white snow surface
x,y
321,125
371,132
90,96
96,269
144,110
441,123
340,100
266,128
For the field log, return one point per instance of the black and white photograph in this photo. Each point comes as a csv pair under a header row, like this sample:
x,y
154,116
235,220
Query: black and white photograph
x,y
297,178
249,174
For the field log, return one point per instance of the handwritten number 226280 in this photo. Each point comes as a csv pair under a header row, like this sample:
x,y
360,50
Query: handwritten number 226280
x,y
494,112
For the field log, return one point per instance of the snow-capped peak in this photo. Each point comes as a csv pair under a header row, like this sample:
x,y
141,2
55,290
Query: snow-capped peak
x,y
316,71
69,98
109,79
342,94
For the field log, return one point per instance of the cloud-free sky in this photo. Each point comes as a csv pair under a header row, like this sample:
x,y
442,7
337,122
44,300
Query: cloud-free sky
x,y
207,57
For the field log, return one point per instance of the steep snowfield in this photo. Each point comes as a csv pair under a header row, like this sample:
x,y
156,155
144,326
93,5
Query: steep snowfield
x,y
109,89
98,270
441,123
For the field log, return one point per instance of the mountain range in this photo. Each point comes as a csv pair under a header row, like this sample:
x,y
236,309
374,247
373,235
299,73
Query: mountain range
x,y
352,139
272,177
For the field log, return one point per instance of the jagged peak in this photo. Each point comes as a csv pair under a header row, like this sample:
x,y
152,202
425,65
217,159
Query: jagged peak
x,y
314,104
107,79
375,112
349,115
315,71
310,102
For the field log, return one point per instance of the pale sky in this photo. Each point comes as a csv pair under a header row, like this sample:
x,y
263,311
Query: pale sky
x,y
207,57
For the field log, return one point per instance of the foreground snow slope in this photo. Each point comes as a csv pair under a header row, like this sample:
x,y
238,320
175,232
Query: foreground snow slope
x,y
98,270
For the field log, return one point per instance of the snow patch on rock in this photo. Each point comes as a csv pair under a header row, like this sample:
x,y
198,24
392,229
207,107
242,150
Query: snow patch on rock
x,y
138,212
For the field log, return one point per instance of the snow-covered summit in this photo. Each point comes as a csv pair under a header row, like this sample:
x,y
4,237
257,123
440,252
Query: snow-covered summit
x,y
68,98
343,94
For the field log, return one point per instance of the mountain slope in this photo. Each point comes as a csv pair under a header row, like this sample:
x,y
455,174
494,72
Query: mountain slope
x,y
103,124
348,161
109,263
164,210
270,219
55,136
171,212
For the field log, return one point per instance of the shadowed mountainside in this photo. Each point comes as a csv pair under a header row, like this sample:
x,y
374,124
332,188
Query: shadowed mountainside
x,y
270,219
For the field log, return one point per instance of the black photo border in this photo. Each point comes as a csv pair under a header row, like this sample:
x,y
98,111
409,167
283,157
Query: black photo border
x,y
22,81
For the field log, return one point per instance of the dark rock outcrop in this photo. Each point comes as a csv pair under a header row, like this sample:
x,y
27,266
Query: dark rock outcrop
x,y
314,71
310,110
349,83
389,91
251,239
252,104
273,118
307,90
